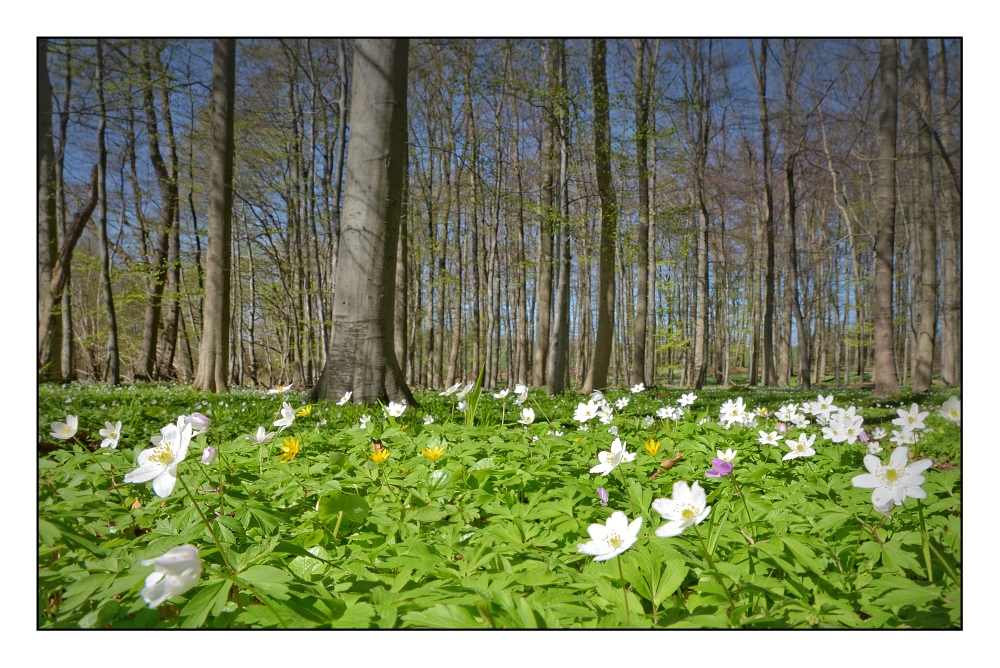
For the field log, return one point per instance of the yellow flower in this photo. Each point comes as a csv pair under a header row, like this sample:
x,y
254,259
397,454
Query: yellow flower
x,y
380,455
433,454
652,447
304,411
290,448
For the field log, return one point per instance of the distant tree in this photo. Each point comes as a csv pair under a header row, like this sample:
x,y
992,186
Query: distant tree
x,y
886,383
213,362
49,354
361,359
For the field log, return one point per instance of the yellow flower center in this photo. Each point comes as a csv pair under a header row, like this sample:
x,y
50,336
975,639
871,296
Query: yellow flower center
x,y
892,475
162,455
689,514
615,541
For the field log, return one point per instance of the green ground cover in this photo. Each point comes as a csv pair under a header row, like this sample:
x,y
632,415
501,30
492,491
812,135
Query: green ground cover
x,y
475,520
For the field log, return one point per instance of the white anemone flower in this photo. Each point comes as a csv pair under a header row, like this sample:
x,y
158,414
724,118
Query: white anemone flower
x,y
687,399
620,404
527,416
287,416
365,421
647,421
686,508
952,410
280,389
462,406
64,430
344,399
895,481
522,394
910,420
502,394
451,390
176,571
728,456
609,460
800,448
111,433
768,438
585,411
262,436
394,409
639,387
428,419
463,392
605,413
663,413
609,540
159,464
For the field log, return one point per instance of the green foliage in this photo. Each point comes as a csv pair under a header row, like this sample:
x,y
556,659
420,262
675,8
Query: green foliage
x,y
486,535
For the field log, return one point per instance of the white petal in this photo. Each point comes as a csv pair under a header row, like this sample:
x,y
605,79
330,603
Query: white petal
x,y
865,481
144,473
164,483
670,529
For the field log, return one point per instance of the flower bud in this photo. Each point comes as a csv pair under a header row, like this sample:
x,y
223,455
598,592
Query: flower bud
x,y
602,495
209,456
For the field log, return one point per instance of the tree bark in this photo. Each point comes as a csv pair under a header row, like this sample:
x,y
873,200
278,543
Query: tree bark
x,y
886,384
213,360
361,358
113,375
543,283
642,172
597,376
770,377
168,202
927,222
49,357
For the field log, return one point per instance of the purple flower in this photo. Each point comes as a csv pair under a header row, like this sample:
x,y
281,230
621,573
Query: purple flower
x,y
209,455
782,428
199,423
720,468
603,495
863,437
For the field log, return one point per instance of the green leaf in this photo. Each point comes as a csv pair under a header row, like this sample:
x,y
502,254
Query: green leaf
x,y
354,507
212,594
443,616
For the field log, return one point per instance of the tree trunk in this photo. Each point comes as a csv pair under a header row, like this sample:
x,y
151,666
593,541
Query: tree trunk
x,y
770,377
213,360
642,172
543,283
168,340
49,357
113,375
154,289
927,222
886,384
597,377
361,358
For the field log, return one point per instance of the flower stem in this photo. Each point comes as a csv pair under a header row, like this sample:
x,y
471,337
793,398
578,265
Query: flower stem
x,y
711,564
739,493
113,485
208,524
621,575
628,495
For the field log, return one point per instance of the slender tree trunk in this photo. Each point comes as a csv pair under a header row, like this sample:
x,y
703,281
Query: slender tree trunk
x,y
642,282
399,311
951,301
49,357
597,378
361,358
543,283
66,306
927,222
168,340
760,73
113,375
886,384
154,289
213,362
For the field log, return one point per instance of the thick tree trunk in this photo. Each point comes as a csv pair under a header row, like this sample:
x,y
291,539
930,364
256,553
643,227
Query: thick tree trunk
x,y
168,340
361,358
597,377
213,360
926,221
951,303
886,384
